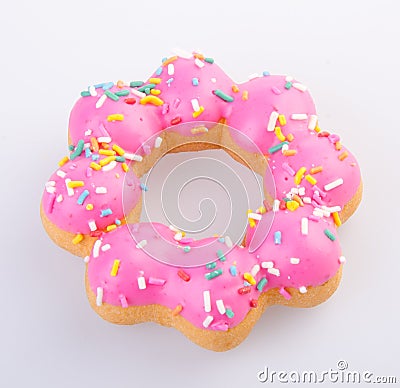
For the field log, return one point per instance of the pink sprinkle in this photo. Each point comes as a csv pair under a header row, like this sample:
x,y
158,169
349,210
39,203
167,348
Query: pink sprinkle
x,y
186,240
321,192
103,130
165,109
220,325
156,281
313,218
89,172
147,149
176,103
124,303
333,138
50,202
276,90
288,169
284,293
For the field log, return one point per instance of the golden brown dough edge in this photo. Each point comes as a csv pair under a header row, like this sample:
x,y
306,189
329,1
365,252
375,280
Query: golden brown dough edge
x,y
218,341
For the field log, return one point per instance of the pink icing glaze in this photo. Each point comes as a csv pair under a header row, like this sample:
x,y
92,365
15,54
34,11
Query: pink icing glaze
x,y
299,260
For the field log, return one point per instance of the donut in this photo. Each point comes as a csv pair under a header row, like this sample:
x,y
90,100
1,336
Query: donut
x,y
215,289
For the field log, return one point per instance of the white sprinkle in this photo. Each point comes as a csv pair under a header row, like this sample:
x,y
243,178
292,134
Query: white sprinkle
x,y
92,225
50,184
299,116
171,69
220,306
92,91
105,247
288,78
208,320
228,242
141,282
86,259
306,200
141,244
213,80
342,259
50,189
303,290
100,101
100,190
199,63
254,216
88,132
99,296
272,121
110,166
207,301
255,270
104,139
302,190
333,184
275,205
136,158
178,236
312,123
304,226
158,142
195,104
96,248
136,93
274,271
61,173
59,198
69,190
332,209
182,53
252,76
294,190
318,212
284,148
267,264
299,86
294,260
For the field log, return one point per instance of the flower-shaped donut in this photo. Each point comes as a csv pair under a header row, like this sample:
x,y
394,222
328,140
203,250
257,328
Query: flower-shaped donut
x,y
91,204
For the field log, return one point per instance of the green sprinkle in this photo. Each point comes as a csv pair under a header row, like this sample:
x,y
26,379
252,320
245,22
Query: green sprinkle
x,y
120,159
136,84
277,147
111,95
78,150
85,93
71,147
211,265
223,96
213,274
329,234
288,85
286,199
148,86
209,60
220,255
229,313
186,249
122,93
261,284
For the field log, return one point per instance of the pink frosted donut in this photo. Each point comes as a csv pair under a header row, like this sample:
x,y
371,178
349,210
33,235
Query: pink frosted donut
x,y
298,263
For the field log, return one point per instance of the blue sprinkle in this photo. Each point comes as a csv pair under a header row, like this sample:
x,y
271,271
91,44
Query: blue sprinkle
x,y
164,59
106,212
266,73
97,86
95,157
117,222
88,152
108,85
159,70
195,81
278,238
144,187
233,270
246,284
82,197
169,80
221,240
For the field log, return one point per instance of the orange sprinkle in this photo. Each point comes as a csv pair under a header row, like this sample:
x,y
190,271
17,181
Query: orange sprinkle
x,y
316,170
199,56
290,137
235,89
298,200
222,120
118,149
106,146
95,166
107,152
63,161
336,219
125,167
177,310
343,155
311,179
338,146
289,152
120,84
170,60
245,95
94,144
155,92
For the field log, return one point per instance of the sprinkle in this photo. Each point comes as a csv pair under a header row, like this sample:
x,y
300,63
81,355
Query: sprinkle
x,y
267,264
111,227
199,63
115,267
105,247
343,155
151,100
115,117
209,60
342,259
183,275
277,147
289,152
304,226
136,93
111,95
274,271
285,293
302,290
70,191
312,122
219,93
299,86
104,139
288,169
290,137
200,129
294,260
207,301
228,242
77,239
208,320
64,160
254,216
134,157
78,150
213,274
229,313
279,134
311,179
177,310
245,95
143,187
211,265
244,290
276,90
288,85
336,219
299,175
333,184
156,281
272,121
82,197
106,160
75,184
141,282
195,104
141,244
220,255
106,212
99,296
255,270
253,303
85,93
249,277
233,270
220,306
316,170
329,234
278,237
292,205
299,116
158,142
235,89
261,284
338,146
275,205
136,84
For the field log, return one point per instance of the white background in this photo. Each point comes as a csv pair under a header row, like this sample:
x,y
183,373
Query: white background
x,y
345,52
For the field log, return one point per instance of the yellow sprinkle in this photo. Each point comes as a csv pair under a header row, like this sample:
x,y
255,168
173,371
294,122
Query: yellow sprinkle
x,y
282,120
95,166
115,268
74,184
245,95
77,239
315,170
198,112
177,310
317,129
336,219
292,205
151,100
107,152
89,206
262,210
289,152
249,277
155,92
252,222
169,60
154,81
338,146
235,89
63,161
125,167
290,137
311,179
118,149
115,117
299,175
111,227
117,175
279,134
343,155
107,160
